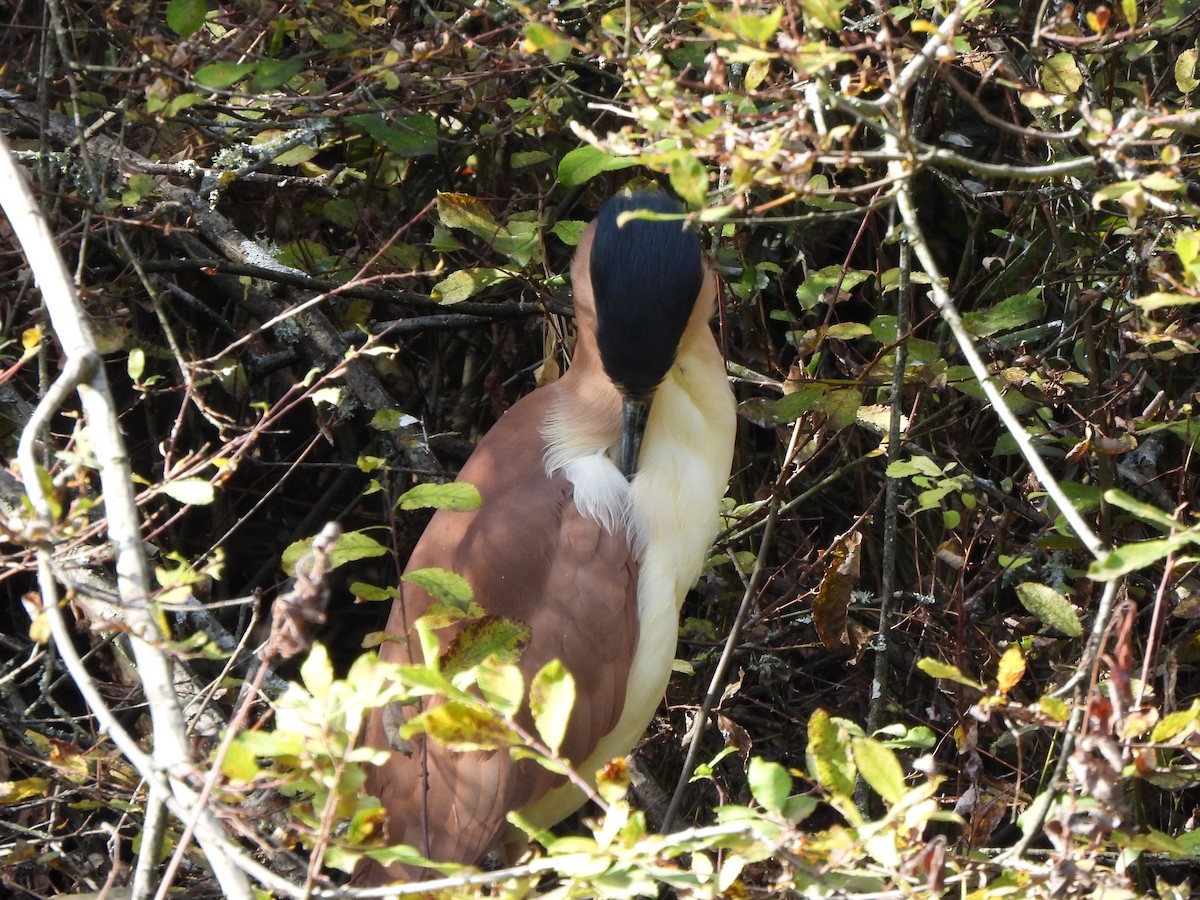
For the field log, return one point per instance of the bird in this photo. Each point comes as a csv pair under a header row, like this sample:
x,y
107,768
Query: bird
x,y
600,496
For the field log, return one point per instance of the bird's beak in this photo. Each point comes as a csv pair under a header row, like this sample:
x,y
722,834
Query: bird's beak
x,y
634,413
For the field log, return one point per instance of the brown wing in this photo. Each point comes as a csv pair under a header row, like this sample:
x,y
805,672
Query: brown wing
x,y
529,555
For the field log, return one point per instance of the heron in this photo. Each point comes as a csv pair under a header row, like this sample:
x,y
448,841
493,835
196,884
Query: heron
x,y
600,500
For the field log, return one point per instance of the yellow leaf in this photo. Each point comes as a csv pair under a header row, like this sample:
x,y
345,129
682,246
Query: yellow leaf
x,y
1061,75
39,628
1011,669
26,788
30,338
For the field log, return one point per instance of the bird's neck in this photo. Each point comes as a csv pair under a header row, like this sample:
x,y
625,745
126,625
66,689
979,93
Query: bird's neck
x,y
582,430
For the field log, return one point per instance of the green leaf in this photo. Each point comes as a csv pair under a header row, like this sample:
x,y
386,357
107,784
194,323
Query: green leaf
x,y
1129,12
1185,71
317,672
1131,557
847,331
458,496
136,364
827,756
271,744
1055,708
12,792
186,17
488,637
569,231
750,27
1011,312
879,768
840,406
442,585
584,163
501,685
222,75
915,465
824,13
1051,607
192,491
462,727
466,283
689,179
239,763
785,409
371,593
350,546
468,213
551,699
819,285
271,74
1163,299
546,39
522,158
770,784
1061,74
1144,511
405,136
937,669
1172,724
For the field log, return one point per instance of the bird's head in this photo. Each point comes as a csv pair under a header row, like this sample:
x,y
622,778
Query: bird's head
x,y
645,275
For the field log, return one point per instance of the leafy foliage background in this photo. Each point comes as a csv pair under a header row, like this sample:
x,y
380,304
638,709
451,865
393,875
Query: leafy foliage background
x,y
322,247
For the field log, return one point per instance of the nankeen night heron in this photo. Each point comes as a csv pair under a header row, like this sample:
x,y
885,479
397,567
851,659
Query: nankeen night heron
x,y
600,500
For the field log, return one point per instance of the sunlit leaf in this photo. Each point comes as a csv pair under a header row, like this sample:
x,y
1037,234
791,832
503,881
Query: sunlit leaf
x,y
689,179
442,585
820,284
1051,607
1011,669
1165,299
551,699
826,14
462,727
23,789
240,763
501,685
1012,312
191,491
458,496
317,671
828,757
1185,71
879,768
1131,557
1174,724
582,164
468,213
488,637
1144,511
770,784
937,669
466,283
1061,75
546,39
136,364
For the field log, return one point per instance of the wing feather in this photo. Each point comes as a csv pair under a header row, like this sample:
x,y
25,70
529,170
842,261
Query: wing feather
x,y
529,555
